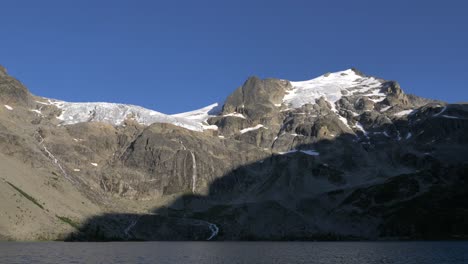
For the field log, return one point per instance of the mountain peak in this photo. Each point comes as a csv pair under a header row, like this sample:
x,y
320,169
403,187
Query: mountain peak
x,y
358,72
332,86
3,71
12,91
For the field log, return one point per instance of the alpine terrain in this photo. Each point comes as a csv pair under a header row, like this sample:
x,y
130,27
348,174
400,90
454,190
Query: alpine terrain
x,y
340,156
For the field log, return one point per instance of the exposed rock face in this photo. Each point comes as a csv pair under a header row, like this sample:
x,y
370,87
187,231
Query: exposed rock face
x,y
257,98
256,102
3,71
171,160
341,156
12,92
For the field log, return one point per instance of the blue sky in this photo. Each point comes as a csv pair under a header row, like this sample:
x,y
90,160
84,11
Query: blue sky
x,y
175,56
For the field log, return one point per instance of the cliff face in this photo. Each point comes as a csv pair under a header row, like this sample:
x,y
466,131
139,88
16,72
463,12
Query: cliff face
x,y
343,155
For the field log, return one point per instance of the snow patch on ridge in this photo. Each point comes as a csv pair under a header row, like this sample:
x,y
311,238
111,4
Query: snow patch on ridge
x,y
235,114
332,87
344,121
245,130
202,114
116,114
385,109
404,113
360,127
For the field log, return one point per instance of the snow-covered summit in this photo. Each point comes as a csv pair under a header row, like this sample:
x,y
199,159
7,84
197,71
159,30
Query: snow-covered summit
x,y
332,86
116,114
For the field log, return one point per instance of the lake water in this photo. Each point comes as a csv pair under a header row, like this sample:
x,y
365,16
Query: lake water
x,y
236,252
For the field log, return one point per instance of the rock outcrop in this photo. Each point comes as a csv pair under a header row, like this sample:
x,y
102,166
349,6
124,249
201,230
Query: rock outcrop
x,y
12,92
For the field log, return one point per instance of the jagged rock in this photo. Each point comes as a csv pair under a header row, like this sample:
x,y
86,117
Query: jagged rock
x,y
395,95
12,92
256,98
364,104
229,125
3,71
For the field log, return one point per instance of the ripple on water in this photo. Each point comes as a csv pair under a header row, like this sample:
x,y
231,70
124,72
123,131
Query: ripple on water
x,y
236,252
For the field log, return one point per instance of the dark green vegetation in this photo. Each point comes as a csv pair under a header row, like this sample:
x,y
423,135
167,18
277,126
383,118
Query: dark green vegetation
x,y
68,221
27,196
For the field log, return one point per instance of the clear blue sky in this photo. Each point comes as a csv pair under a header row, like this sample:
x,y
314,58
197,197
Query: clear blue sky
x,y
174,56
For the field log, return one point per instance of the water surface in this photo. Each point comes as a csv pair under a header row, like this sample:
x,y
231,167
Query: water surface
x,y
236,252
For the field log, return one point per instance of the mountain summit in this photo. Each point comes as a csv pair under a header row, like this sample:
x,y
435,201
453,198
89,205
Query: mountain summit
x,y
340,156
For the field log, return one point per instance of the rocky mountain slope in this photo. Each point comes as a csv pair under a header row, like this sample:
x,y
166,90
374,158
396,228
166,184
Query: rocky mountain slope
x,y
341,156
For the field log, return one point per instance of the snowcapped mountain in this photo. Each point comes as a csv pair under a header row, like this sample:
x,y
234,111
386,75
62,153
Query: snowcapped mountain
x,y
332,87
340,156
116,114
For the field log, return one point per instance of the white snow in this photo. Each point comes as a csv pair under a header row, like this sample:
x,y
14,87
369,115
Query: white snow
x,y
76,170
331,87
344,121
404,113
235,114
361,128
385,109
376,93
377,100
8,107
94,164
202,114
287,152
116,114
36,111
245,130
210,127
